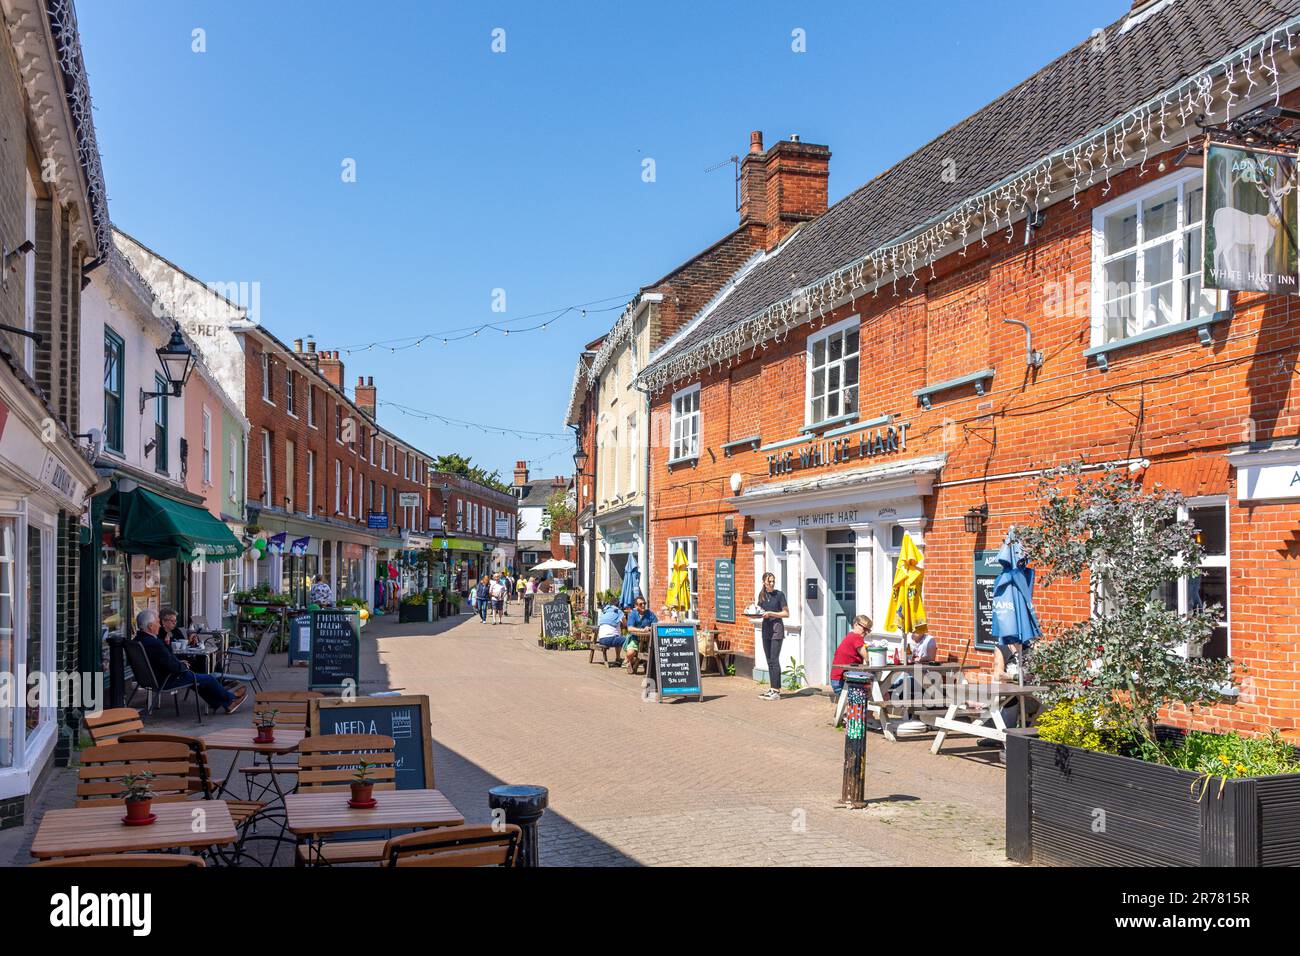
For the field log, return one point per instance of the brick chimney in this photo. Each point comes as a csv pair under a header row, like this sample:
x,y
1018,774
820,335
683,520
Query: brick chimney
x,y
331,367
310,356
521,473
365,396
783,186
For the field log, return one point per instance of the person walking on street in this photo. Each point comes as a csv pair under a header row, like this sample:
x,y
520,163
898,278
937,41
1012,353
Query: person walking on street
x,y
775,610
530,595
482,594
497,594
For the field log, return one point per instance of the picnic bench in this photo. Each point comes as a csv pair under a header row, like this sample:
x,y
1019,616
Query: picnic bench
x,y
973,716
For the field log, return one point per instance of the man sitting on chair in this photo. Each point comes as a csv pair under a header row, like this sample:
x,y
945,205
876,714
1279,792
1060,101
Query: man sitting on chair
x,y
173,672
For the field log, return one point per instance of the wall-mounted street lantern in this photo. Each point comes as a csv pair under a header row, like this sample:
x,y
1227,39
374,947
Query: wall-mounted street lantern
x,y
177,361
580,459
976,519
728,530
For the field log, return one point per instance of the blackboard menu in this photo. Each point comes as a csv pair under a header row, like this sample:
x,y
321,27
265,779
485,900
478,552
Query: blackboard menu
x,y
335,649
676,661
987,569
405,718
555,619
724,590
299,639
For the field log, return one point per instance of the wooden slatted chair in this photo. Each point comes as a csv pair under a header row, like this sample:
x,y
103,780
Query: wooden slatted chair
x,y
169,860
103,767
327,763
106,726
293,711
474,845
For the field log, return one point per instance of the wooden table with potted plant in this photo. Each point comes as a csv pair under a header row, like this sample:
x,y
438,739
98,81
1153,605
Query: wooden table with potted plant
x,y
264,737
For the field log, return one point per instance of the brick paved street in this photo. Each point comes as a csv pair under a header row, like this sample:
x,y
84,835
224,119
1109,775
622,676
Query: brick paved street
x,y
733,780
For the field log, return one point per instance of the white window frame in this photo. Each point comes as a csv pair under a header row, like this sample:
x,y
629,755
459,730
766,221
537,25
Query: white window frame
x,y
231,470
691,546
825,335
677,451
351,500
1211,561
311,482
266,378
267,482
1101,257
288,392
338,486
311,406
207,446
460,514
290,473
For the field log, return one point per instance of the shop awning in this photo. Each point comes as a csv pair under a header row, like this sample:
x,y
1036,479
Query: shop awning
x,y
163,528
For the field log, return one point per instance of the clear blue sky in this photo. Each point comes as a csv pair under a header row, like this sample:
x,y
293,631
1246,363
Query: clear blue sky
x,y
520,171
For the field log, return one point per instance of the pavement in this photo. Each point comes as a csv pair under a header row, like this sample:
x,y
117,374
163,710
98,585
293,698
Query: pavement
x,y
728,781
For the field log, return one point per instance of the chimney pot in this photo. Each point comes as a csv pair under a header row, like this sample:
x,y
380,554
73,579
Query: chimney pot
x,y
311,345
794,137
297,345
756,141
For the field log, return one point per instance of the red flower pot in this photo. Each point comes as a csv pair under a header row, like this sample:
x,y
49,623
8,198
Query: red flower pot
x,y
139,811
265,735
363,794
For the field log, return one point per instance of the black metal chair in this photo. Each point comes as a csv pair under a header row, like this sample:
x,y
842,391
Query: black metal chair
x,y
145,678
252,666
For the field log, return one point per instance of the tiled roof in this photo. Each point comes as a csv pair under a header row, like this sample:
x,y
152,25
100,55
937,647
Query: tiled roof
x,y
1081,91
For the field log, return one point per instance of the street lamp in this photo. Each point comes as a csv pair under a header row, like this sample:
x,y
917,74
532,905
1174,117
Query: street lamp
x,y
177,361
580,460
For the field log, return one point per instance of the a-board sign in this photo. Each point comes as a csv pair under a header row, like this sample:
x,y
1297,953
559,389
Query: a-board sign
x,y
556,619
299,640
676,665
405,718
724,590
335,649
987,570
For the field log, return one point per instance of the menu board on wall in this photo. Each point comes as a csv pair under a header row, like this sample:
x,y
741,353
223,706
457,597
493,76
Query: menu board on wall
x,y
987,569
724,590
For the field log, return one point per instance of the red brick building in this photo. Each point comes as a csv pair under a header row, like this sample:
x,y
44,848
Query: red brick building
x,y
321,468
472,527
923,350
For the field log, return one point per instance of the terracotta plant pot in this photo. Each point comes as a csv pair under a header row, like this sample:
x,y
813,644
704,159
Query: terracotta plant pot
x,y
363,792
139,810
265,735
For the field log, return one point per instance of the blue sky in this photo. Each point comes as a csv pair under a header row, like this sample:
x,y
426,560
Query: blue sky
x,y
519,171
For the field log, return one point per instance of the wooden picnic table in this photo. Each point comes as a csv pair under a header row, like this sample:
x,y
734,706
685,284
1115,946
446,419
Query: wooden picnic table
x,y
879,703
989,699
83,831
239,739
314,815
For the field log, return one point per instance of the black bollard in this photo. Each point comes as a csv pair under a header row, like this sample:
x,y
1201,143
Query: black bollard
x,y
523,806
853,791
116,671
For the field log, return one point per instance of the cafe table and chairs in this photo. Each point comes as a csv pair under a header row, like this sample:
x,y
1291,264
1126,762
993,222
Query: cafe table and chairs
x,y
96,828
239,740
886,707
316,815
291,711
976,709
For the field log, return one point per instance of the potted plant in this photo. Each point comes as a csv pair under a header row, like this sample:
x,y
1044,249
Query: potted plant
x,y
264,720
363,788
1099,781
137,792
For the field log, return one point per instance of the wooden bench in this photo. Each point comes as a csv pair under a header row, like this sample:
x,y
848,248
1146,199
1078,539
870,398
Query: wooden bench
x,y
593,646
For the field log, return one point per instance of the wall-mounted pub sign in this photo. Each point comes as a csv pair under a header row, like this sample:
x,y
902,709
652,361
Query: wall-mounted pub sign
x,y
833,451
1250,219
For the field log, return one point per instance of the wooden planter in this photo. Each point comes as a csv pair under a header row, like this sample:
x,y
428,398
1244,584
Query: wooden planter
x,y
406,613
1072,807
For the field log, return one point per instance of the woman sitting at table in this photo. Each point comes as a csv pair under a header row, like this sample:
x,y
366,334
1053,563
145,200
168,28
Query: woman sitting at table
x,y
169,630
851,651
921,649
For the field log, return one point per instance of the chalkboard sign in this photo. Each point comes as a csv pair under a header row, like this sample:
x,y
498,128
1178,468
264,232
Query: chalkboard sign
x,y
335,649
676,665
405,718
987,570
556,619
724,590
299,640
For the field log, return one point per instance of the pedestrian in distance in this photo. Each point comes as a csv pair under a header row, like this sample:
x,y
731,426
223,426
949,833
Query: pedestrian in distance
x,y
497,595
530,595
482,595
775,610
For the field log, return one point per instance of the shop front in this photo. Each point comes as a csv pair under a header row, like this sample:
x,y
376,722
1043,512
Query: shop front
x,y
832,542
619,535
44,483
462,560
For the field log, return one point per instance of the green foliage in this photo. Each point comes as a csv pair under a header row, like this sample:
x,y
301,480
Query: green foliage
x,y
1077,724
352,602
461,465
262,593
560,509
137,786
794,677
1231,755
1127,659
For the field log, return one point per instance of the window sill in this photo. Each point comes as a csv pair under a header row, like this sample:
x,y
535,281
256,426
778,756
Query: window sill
x,y
692,460
829,423
978,379
1201,324
752,443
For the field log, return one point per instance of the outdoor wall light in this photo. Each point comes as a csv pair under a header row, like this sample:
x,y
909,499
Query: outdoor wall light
x,y
177,361
728,530
976,518
580,459
737,479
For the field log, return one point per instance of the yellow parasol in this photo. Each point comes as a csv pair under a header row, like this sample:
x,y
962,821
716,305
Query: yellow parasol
x,y
679,584
906,608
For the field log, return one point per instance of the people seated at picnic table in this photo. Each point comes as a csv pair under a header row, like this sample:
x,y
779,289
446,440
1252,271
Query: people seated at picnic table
x,y
1007,659
172,672
609,626
851,652
921,649
640,626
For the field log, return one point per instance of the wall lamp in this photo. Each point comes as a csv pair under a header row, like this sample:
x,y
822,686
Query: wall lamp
x,y
728,530
177,361
976,518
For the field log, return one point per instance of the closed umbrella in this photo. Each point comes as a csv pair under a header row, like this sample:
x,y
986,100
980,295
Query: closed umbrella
x,y
679,584
906,607
631,583
1014,619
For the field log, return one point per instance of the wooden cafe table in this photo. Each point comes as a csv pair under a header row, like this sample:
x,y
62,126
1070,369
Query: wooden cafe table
x,y
882,676
83,831
314,815
239,739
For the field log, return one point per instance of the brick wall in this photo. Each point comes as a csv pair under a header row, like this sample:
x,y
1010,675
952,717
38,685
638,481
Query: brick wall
x,y
1171,400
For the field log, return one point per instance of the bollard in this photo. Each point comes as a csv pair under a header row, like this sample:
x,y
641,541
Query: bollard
x,y
116,671
523,806
853,790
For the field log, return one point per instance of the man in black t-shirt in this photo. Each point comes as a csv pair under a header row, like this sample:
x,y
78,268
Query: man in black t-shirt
x,y
775,610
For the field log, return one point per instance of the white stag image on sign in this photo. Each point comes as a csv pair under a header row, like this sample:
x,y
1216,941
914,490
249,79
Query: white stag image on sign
x,y
1250,220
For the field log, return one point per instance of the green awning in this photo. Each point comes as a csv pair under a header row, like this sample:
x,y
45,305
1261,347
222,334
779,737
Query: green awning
x,y
163,528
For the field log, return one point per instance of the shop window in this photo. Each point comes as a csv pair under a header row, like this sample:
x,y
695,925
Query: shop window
x,y
688,545
113,389
833,373
160,425
1147,258
685,425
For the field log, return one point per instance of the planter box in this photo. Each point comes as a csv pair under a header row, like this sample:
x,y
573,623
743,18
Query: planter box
x,y
407,613
1071,807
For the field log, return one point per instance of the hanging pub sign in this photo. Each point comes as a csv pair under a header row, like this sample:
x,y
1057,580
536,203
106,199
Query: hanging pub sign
x,y
833,451
1250,220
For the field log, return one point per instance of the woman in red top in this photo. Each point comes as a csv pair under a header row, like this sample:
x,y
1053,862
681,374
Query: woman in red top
x,y
851,651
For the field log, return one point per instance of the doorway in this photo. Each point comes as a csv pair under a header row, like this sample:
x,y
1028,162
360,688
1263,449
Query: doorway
x,y
841,601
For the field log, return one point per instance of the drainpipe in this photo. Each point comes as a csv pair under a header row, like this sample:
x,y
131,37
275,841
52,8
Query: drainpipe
x,y
645,497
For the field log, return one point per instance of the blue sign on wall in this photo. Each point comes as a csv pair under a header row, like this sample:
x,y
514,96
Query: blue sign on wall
x,y
376,519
